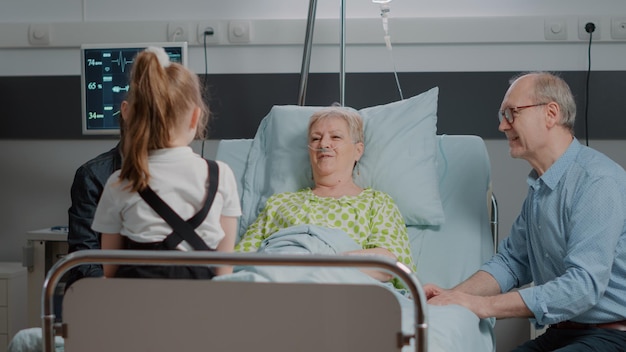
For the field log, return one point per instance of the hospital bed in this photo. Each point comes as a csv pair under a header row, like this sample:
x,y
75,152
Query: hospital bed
x,y
451,236
446,250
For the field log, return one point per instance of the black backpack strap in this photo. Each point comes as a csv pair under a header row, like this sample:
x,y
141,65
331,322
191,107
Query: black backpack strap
x,y
213,182
184,230
174,238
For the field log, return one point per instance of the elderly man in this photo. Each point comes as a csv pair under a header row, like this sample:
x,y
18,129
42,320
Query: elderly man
x,y
570,237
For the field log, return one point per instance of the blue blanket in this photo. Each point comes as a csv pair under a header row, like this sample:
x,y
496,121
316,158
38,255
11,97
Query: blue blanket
x,y
451,328
305,240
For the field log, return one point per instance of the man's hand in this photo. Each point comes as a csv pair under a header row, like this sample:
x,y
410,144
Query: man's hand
x,y
477,304
438,296
481,295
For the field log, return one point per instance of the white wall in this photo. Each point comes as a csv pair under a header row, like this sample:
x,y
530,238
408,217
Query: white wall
x,y
447,35
442,35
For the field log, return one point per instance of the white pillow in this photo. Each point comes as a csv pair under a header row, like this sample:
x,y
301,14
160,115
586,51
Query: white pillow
x,y
399,158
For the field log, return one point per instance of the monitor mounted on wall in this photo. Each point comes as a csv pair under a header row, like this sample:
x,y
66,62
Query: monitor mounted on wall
x,y
105,71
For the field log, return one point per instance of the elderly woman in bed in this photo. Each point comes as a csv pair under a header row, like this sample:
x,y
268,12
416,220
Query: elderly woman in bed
x,y
369,217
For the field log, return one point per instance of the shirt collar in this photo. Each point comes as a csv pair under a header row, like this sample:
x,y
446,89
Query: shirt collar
x,y
555,172
171,153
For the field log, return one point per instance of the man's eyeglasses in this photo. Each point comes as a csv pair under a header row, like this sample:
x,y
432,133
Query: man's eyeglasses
x,y
509,113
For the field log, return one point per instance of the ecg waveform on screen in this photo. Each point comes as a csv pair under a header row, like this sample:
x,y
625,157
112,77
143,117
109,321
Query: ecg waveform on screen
x,y
121,61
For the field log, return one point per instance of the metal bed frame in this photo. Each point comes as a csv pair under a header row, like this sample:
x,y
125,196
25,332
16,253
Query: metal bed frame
x,y
134,257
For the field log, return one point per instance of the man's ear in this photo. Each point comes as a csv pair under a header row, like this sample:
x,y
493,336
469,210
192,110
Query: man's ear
x,y
553,114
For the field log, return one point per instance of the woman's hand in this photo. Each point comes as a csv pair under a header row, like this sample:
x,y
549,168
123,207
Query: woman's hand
x,y
431,290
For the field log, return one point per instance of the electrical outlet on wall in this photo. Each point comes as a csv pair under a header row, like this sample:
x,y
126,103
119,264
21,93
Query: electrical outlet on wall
x,y
555,28
618,27
582,32
39,34
178,32
208,31
239,32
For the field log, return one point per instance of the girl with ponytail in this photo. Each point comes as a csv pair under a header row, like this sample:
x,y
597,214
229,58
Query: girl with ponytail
x,y
163,113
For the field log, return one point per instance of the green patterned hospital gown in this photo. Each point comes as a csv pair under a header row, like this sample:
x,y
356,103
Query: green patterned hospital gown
x,y
371,218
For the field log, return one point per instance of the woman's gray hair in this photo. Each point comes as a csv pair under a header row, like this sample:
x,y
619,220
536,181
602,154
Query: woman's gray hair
x,y
352,118
550,87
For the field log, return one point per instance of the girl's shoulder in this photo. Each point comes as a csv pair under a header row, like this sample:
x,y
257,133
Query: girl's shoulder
x,y
224,169
115,182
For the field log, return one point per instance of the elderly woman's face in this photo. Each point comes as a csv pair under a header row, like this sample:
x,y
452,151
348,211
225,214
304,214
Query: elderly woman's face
x,y
331,148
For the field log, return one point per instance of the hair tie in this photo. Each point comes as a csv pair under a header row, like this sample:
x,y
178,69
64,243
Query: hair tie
x,y
161,55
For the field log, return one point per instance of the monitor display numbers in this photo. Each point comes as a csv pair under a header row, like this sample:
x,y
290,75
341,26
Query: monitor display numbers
x,y
105,82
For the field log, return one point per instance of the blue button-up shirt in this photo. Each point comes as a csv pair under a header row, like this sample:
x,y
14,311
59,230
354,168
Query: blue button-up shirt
x,y
570,240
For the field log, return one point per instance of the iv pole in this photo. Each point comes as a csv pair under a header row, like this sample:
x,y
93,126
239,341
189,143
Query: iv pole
x,y
306,57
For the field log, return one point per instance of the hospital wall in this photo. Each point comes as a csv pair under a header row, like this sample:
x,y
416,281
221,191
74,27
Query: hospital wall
x,y
469,49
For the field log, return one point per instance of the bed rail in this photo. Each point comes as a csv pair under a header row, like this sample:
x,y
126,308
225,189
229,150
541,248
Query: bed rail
x,y
50,329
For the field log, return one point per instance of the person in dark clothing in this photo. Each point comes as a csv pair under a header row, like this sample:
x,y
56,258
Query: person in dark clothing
x,y
89,181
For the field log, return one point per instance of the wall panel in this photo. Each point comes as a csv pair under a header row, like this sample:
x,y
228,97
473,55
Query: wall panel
x,y
48,107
